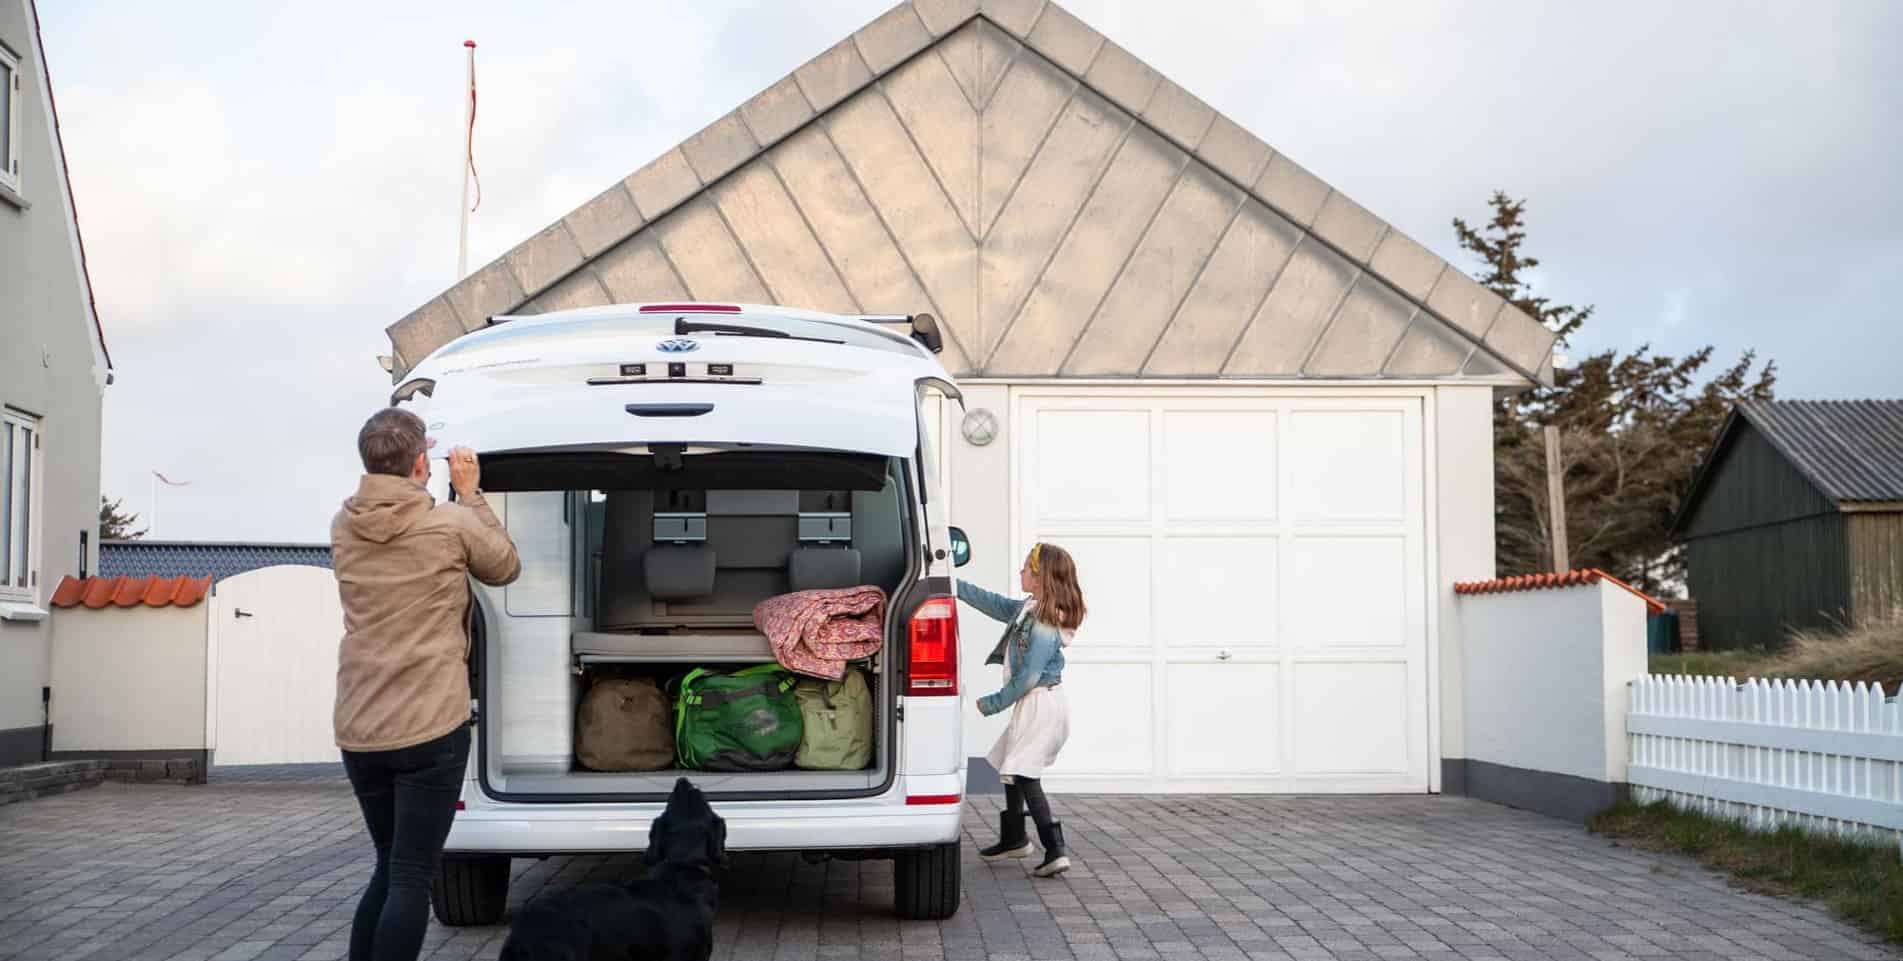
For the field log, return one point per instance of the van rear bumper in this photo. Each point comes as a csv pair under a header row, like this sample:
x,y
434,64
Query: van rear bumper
x,y
591,829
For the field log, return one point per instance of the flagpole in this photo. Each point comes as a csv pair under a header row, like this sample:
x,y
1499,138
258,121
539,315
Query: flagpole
x,y
469,146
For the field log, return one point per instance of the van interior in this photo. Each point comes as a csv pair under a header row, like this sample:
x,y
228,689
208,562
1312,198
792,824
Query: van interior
x,y
649,563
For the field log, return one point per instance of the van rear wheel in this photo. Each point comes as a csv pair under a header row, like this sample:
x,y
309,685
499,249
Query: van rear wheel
x,y
926,882
470,890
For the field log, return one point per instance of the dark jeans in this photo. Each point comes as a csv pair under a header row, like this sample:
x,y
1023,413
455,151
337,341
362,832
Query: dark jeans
x,y
408,798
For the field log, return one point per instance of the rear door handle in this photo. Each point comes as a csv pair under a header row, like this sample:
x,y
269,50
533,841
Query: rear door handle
x,y
669,410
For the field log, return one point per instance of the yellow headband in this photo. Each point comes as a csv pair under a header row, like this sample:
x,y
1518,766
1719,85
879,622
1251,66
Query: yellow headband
x,y
1035,550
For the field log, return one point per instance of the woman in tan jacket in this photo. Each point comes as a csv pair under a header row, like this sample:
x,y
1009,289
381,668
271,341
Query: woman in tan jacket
x,y
402,563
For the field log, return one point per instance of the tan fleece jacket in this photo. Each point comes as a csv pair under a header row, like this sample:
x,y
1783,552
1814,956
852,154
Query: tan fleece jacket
x,y
402,561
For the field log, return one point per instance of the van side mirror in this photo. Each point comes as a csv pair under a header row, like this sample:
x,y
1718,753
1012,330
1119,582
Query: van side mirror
x,y
960,547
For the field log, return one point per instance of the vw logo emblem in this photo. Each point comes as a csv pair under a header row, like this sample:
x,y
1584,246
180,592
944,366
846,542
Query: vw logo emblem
x,y
677,345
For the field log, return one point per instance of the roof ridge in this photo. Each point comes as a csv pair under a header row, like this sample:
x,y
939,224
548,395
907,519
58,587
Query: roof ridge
x,y
687,171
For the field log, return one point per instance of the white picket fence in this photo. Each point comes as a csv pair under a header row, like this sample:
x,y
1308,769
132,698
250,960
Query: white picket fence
x,y
1825,757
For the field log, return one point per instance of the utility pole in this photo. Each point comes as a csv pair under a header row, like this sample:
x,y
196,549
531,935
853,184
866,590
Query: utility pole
x,y
1556,499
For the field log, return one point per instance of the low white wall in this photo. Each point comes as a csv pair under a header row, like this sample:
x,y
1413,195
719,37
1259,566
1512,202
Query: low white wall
x,y
1544,690
129,679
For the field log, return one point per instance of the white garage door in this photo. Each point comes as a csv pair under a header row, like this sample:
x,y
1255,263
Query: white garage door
x,y
1254,568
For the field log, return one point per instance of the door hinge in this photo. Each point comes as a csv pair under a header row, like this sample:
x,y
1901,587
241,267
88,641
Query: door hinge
x,y
898,713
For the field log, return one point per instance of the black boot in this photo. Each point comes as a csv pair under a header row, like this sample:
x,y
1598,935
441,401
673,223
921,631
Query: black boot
x,y
1055,862
1012,843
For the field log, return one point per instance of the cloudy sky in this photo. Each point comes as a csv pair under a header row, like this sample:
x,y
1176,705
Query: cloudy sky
x,y
262,192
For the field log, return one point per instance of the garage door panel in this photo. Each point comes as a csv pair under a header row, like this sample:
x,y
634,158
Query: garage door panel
x,y
1255,565
1346,465
1092,465
1223,719
1111,720
1219,465
1346,592
1219,590
1114,573
1353,717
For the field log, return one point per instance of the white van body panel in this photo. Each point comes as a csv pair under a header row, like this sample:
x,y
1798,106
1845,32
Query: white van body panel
x,y
524,385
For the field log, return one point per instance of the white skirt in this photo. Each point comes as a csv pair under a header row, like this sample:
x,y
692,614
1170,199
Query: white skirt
x,y
1040,723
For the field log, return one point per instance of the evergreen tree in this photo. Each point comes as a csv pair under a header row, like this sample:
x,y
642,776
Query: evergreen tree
x,y
1632,430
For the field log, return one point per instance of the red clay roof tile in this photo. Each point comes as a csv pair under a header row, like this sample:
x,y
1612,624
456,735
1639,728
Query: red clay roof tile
x,y
1539,582
97,593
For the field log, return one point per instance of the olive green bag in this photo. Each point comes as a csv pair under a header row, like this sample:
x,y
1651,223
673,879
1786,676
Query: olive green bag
x,y
837,717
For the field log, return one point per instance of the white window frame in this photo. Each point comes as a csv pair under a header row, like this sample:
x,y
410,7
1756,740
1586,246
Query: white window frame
x,y
23,583
10,157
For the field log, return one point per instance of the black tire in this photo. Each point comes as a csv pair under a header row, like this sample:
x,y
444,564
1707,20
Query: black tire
x,y
926,882
470,889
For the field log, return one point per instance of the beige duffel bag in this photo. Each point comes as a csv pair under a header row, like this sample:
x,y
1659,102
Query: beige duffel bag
x,y
624,725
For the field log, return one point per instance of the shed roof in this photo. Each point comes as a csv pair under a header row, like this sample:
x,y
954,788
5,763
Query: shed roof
x,y
1850,450
142,558
1062,207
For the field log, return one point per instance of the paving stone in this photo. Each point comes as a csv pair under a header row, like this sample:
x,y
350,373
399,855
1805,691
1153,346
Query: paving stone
x,y
268,864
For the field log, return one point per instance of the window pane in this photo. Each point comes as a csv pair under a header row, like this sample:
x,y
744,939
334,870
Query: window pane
x,y
6,504
22,574
6,117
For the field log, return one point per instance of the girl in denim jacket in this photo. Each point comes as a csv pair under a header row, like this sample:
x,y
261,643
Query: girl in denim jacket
x,y
1032,650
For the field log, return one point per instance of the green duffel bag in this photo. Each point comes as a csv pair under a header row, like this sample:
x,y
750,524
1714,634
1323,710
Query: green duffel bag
x,y
837,716
622,725
743,721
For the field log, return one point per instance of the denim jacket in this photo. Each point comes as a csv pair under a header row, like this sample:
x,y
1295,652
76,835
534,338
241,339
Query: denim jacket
x,y
1031,650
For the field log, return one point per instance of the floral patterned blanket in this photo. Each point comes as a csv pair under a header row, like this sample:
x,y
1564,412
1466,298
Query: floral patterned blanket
x,y
817,632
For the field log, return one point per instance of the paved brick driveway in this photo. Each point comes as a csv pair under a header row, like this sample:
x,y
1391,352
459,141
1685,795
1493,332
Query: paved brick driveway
x,y
269,866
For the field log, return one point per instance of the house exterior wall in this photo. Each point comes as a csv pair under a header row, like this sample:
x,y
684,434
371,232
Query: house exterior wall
x,y
129,680
1461,537
1766,551
49,369
1875,564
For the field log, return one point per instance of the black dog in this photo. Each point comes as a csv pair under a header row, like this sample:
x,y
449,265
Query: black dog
x,y
667,915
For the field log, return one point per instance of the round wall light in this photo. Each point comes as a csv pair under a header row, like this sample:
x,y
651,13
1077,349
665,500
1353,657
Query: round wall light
x,y
980,427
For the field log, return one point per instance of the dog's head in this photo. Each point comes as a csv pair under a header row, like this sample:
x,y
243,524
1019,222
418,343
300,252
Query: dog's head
x,y
688,833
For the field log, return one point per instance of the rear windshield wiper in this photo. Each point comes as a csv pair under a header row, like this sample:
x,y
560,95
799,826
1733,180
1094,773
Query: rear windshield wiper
x,y
683,327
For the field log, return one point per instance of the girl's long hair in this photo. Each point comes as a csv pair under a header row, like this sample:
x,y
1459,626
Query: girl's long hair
x,y
1060,602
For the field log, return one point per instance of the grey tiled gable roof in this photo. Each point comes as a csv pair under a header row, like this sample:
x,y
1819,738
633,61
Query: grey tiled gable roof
x,y
1063,208
1851,449
139,558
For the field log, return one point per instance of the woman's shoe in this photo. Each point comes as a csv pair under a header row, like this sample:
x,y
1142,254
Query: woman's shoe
x,y
1012,842
1055,862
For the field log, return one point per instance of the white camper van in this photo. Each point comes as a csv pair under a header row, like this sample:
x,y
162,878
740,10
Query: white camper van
x,y
663,468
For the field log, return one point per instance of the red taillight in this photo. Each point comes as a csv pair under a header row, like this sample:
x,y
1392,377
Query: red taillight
x,y
460,806
690,309
934,651
917,799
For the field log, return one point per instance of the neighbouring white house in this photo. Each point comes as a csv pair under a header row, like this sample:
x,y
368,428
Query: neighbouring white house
x,y
53,374
1259,415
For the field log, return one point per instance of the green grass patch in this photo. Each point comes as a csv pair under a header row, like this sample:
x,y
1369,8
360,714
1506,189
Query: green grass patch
x,y
1869,650
1738,664
1861,881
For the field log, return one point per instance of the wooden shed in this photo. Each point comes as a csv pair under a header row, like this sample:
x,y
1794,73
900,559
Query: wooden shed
x,y
1796,520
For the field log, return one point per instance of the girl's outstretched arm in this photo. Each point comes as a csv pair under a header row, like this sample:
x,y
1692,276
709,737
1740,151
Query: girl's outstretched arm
x,y
995,606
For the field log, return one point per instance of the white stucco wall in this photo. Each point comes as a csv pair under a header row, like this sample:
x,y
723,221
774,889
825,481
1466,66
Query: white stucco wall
x,y
1545,679
129,679
1462,505
981,504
